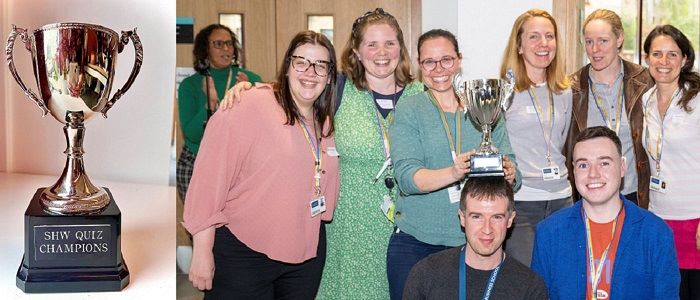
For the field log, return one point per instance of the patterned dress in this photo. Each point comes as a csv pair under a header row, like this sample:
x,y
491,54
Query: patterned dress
x,y
359,234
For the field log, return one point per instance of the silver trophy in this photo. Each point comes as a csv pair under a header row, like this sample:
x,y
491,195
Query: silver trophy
x,y
484,100
74,69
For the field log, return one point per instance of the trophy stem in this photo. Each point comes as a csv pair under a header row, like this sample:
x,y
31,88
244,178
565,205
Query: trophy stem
x,y
486,142
74,193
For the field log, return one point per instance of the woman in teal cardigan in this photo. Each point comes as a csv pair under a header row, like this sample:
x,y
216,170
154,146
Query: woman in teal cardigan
x,y
216,60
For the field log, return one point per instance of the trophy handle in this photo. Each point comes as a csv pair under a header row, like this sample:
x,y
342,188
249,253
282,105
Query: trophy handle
x,y
138,48
11,64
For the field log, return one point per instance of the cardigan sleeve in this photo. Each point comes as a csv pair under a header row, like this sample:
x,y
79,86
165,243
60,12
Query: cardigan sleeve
x,y
407,152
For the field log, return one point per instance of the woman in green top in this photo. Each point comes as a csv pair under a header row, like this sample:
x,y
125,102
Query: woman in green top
x,y
216,60
432,142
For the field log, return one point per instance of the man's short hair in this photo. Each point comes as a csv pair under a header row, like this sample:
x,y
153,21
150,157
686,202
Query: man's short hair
x,y
487,188
599,131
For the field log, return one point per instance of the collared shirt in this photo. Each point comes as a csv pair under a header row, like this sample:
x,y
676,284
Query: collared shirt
x,y
608,95
679,157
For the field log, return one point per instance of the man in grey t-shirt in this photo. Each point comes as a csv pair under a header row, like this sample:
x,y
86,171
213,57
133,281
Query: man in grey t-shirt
x,y
480,269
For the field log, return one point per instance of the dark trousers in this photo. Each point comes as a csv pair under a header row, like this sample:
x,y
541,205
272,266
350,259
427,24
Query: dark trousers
x,y
242,273
690,284
403,253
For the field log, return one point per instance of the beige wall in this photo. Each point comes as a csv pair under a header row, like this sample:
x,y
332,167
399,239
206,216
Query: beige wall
x,y
270,24
3,94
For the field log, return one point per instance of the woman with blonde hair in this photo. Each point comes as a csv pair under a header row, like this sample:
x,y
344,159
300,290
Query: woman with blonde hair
x,y
607,92
537,122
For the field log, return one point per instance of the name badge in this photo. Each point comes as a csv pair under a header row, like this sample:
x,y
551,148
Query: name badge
x,y
550,173
530,110
386,103
318,205
388,208
331,151
455,192
657,184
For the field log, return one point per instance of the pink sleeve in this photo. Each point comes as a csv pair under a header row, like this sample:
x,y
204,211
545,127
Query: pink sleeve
x,y
221,155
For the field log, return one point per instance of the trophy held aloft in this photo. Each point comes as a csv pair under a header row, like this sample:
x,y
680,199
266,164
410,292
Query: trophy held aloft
x,y
72,229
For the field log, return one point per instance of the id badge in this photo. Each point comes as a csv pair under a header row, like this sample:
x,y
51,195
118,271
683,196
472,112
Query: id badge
x,y
550,173
388,208
455,192
318,205
657,184
332,152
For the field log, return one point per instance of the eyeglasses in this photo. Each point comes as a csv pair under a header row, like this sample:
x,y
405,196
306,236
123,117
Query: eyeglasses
x,y
219,44
445,62
301,64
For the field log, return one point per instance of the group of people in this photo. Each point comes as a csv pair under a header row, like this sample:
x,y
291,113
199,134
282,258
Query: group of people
x,y
349,179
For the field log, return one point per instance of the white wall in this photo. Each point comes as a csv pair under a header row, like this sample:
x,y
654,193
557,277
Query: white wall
x,y
481,27
133,143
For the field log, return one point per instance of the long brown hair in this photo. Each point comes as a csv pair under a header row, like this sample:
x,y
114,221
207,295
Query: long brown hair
x,y
557,80
352,67
324,105
688,80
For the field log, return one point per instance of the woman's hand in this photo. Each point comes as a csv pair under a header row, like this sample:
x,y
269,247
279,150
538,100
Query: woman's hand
x,y
201,270
461,165
233,95
509,169
697,237
213,97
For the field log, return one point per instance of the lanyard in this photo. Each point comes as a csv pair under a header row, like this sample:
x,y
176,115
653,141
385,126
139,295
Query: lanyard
x,y
463,277
594,272
660,136
458,127
316,152
601,107
384,134
540,119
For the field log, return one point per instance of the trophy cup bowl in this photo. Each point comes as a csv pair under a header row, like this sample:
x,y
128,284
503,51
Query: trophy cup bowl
x,y
74,70
484,100
72,229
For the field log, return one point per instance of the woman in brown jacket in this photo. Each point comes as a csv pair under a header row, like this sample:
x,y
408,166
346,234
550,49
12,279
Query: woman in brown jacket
x,y
607,92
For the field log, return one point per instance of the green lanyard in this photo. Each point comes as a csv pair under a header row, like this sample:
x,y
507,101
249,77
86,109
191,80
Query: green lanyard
x,y
540,119
458,126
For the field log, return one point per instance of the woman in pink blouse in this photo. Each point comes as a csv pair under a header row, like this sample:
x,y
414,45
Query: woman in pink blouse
x,y
265,178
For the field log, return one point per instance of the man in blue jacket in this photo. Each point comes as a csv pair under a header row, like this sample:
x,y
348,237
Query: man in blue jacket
x,y
604,247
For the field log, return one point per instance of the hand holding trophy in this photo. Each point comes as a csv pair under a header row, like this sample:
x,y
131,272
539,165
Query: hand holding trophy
x,y
484,100
72,228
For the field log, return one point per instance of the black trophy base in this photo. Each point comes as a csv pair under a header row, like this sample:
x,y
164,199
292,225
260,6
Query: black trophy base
x,y
72,253
483,165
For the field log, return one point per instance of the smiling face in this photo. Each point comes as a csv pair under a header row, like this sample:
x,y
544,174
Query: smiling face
x,y
220,58
538,44
601,44
486,222
598,170
379,51
665,60
438,52
307,86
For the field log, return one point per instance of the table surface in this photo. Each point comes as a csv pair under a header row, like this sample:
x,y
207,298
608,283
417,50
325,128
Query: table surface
x,y
148,237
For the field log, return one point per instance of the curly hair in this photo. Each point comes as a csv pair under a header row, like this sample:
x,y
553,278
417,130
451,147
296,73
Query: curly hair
x,y
201,47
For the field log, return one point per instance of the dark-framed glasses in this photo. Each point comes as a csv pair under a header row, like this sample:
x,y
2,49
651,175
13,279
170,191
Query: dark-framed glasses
x,y
445,62
219,44
301,64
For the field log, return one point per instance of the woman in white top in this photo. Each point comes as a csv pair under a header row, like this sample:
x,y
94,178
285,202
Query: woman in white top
x,y
537,122
672,141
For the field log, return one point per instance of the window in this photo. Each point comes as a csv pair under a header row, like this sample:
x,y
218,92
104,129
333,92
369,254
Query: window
x,y
235,22
321,24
